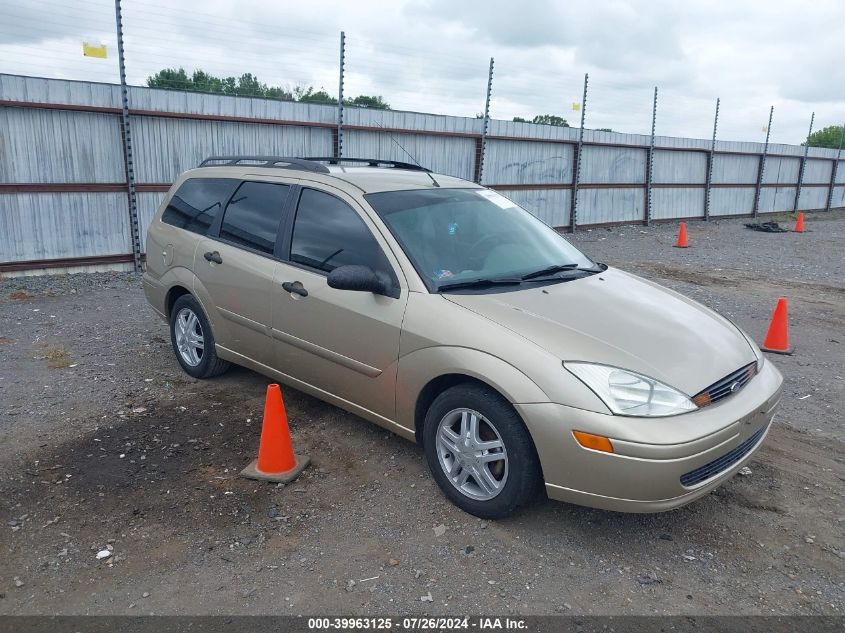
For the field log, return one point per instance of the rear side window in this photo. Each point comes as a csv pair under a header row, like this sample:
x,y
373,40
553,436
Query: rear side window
x,y
253,215
197,202
327,233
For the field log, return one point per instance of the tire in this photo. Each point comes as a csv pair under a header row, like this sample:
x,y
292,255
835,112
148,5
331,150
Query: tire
x,y
517,475
199,363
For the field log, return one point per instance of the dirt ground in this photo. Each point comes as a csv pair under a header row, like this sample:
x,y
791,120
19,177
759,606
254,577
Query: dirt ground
x,y
107,444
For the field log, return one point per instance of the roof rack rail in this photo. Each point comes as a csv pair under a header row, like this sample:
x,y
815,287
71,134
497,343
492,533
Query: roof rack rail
x,y
372,162
278,162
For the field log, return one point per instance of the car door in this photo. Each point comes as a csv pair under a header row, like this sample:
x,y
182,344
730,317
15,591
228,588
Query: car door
x,y
340,341
236,267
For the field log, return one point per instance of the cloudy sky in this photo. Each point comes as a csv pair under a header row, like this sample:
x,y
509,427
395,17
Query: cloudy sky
x,y
432,55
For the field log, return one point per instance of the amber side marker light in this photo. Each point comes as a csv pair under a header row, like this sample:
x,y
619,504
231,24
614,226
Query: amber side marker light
x,y
595,442
702,400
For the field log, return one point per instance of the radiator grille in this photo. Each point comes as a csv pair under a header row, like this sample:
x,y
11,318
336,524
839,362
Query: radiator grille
x,y
703,473
728,385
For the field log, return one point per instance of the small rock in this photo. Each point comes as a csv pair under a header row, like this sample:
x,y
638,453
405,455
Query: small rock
x,y
103,553
350,585
687,557
666,536
18,582
427,598
146,594
648,580
484,525
393,562
809,539
272,512
439,530
469,549
745,470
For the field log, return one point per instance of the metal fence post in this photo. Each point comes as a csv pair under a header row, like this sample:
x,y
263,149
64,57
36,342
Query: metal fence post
x,y
339,146
129,163
761,168
803,164
710,156
484,129
835,170
649,176
576,178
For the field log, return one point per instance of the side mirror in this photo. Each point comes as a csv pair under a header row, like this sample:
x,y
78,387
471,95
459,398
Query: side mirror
x,y
360,278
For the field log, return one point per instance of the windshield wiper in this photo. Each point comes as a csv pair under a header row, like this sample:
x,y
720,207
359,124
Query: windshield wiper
x,y
549,271
480,283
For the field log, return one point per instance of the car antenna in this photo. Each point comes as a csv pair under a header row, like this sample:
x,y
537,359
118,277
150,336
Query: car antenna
x,y
392,138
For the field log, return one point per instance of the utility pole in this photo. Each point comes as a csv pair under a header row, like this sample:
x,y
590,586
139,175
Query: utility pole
x,y
134,231
761,170
835,170
485,128
803,163
339,147
576,177
650,170
710,157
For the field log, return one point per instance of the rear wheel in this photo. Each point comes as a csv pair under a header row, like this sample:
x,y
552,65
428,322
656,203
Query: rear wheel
x,y
480,452
192,339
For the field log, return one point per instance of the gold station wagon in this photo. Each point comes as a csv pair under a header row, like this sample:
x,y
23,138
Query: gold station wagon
x,y
446,313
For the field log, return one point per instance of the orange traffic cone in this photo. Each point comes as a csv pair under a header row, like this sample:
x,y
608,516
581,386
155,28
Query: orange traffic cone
x,y
777,339
276,460
682,237
799,225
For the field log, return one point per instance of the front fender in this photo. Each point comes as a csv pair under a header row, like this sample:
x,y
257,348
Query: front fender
x,y
420,367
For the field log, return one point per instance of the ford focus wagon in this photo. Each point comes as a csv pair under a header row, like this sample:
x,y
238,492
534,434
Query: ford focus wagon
x,y
444,312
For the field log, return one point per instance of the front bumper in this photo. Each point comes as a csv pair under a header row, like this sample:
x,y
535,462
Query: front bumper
x,y
652,455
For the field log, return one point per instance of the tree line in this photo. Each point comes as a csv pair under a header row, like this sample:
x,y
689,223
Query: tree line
x,y
248,85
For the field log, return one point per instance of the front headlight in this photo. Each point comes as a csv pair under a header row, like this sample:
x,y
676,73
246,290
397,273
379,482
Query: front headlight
x,y
628,393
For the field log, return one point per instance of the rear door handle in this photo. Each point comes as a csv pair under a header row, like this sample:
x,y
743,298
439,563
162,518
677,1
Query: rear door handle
x,y
295,287
213,257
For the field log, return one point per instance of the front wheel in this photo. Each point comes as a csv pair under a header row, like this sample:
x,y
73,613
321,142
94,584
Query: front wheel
x,y
192,339
480,452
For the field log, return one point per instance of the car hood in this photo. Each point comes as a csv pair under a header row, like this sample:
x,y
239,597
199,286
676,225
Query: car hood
x,y
615,318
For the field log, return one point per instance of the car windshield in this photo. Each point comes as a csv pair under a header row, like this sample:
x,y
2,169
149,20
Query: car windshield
x,y
464,235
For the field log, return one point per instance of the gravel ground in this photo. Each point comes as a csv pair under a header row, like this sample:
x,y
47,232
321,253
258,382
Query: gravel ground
x,y
109,446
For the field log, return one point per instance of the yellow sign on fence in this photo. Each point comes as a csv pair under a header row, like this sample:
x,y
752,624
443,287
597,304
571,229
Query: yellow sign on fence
x,y
576,107
94,51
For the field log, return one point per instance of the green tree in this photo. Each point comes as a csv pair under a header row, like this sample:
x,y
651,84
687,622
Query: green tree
x,y
550,119
830,136
544,119
309,95
367,101
247,85
170,78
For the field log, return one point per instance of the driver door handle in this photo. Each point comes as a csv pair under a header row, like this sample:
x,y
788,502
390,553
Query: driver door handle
x,y
295,287
213,257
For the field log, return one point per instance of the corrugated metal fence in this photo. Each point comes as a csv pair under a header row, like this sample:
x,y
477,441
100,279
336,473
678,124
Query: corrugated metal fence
x,y
63,199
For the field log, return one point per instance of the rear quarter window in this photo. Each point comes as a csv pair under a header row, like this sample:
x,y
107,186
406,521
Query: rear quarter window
x,y
197,202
